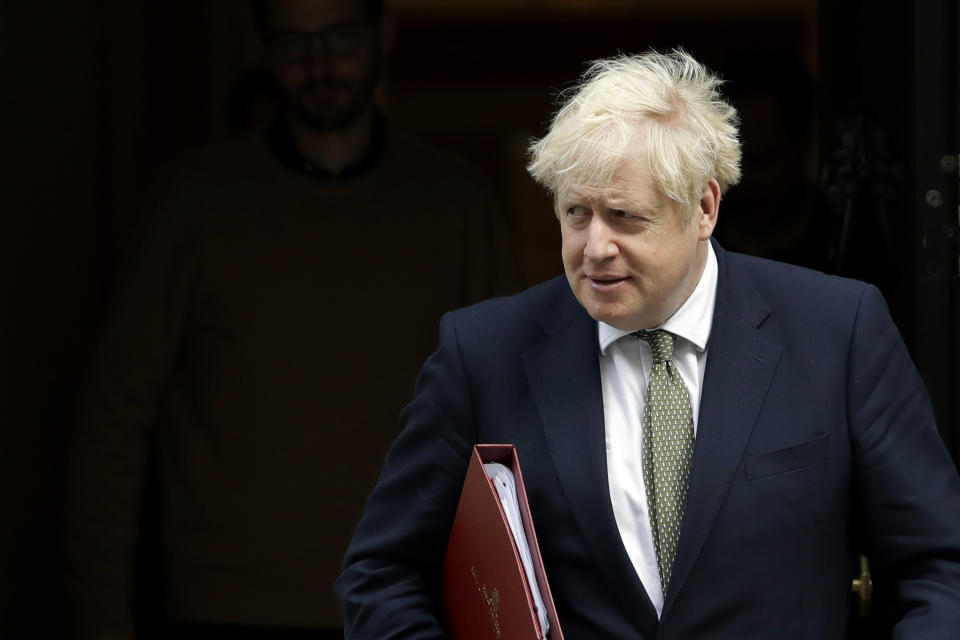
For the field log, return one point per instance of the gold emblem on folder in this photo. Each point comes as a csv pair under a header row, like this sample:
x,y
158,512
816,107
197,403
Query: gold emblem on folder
x,y
492,600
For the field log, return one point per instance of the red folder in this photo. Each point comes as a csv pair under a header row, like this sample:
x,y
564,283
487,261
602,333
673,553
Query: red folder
x,y
486,595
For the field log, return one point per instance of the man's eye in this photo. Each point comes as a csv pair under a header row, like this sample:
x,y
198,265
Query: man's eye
x,y
620,213
576,211
345,39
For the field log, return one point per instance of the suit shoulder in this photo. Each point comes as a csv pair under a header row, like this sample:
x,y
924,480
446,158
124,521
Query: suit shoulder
x,y
802,284
523,311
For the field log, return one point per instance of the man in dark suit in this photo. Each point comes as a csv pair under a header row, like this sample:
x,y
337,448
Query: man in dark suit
x,y
706,438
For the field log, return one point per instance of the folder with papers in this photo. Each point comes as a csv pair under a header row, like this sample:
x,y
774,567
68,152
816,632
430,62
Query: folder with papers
x,y
494,585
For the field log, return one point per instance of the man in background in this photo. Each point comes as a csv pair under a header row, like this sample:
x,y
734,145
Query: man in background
x,y
286,288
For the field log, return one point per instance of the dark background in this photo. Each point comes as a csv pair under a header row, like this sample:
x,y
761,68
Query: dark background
x,y
850,118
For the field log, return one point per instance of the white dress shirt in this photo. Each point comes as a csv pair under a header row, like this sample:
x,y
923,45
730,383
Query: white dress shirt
x,y
625,363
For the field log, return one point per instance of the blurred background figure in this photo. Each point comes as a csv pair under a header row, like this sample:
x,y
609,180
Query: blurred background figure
x,y
287,286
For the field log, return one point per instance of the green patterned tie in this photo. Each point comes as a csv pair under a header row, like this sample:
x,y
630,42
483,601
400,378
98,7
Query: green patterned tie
x,y
667,449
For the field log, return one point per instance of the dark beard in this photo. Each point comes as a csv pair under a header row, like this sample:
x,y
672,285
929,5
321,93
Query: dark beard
x,y
337,118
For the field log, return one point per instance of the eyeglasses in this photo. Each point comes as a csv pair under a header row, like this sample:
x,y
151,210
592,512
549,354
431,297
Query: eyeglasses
x,y
338,41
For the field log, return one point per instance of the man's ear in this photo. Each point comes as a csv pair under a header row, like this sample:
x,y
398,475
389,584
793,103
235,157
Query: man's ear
x,y
709,208
387,32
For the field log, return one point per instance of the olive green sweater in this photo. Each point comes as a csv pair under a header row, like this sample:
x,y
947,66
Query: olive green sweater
x,y
270,331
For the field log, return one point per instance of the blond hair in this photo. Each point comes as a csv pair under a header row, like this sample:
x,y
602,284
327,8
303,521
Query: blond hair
x,y
665,108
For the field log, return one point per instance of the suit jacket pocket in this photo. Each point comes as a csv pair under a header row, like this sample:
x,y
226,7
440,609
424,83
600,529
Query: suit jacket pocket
x,y
790,459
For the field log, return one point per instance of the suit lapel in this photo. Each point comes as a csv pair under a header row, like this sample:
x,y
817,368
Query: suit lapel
x,y
740,365
564,378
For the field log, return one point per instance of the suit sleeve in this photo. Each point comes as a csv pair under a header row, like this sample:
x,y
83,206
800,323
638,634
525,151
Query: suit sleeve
x,y
907,487
390,584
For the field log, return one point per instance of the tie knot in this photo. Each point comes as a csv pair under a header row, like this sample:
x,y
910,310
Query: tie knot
x,y
661,343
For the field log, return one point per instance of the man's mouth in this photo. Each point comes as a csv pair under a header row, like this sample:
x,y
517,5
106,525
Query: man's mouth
x,y
324,91
604,282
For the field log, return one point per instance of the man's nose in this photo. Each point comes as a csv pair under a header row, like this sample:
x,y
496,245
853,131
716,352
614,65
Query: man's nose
x,y
601,242
319,61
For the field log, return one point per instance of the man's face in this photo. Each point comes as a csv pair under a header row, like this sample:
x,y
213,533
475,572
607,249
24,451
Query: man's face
x,y
326,57
627,253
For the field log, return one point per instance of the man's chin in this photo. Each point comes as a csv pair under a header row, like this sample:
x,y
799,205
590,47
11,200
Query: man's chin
x,y
618,316
327,120
605,313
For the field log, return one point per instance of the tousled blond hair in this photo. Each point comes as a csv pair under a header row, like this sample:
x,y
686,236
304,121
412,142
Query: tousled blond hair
x,y
664,108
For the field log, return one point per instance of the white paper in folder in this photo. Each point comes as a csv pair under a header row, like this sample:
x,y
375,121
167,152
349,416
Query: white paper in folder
x,y
507,490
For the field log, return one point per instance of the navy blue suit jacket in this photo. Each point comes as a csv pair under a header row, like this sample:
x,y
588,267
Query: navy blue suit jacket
x,y
815,437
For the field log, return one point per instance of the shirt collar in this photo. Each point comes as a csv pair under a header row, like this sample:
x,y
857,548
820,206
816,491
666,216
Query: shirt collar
x,y
281,143
692,321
